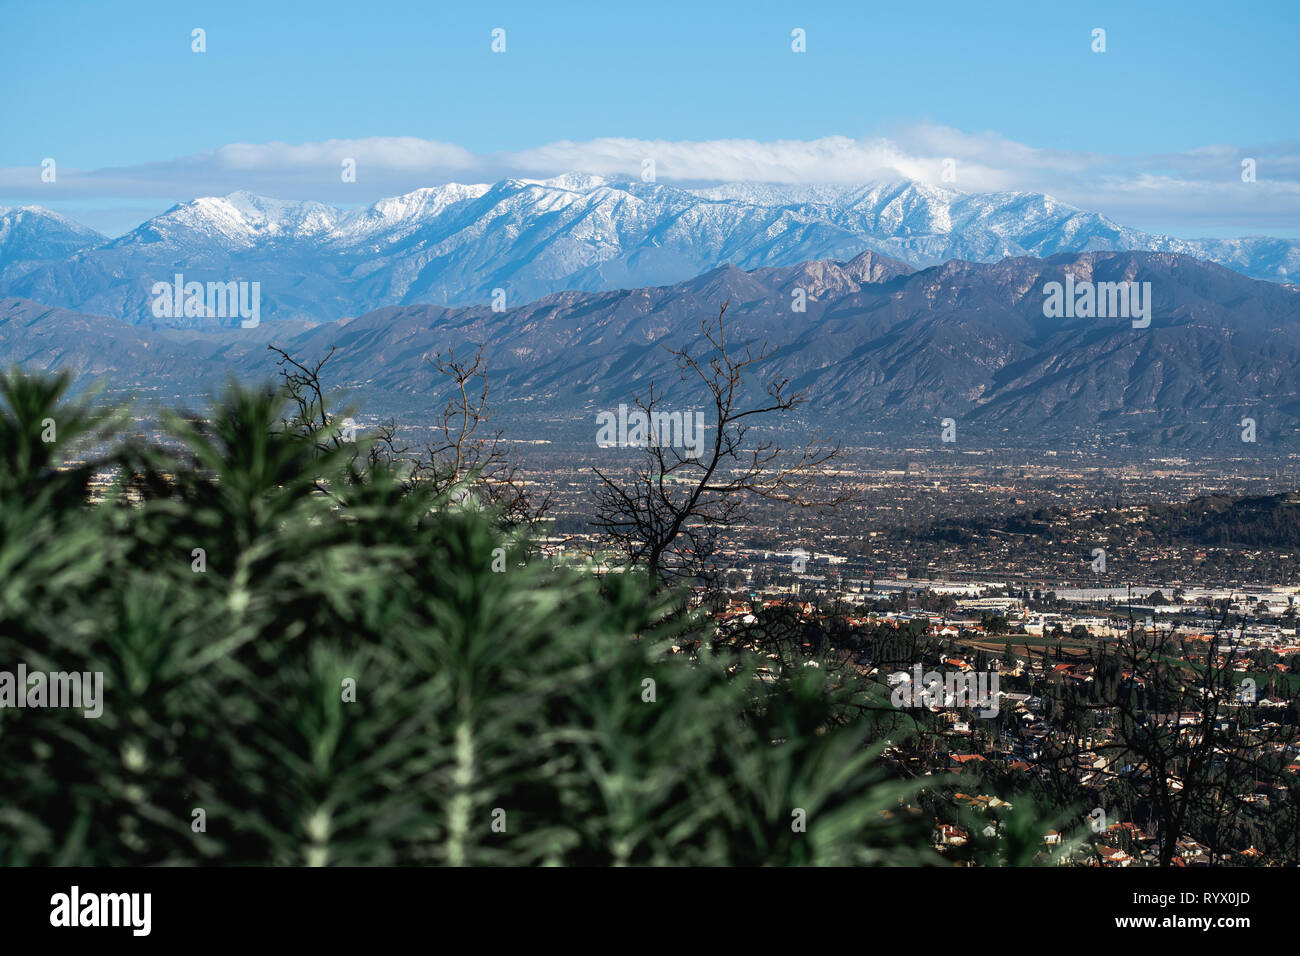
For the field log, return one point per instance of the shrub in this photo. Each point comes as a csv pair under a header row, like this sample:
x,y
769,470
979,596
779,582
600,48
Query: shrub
x,y
335,668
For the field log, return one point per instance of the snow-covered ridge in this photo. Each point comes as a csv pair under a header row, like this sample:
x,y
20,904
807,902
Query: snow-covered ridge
x,y
898,211
456,243
9,215
982,225
33,235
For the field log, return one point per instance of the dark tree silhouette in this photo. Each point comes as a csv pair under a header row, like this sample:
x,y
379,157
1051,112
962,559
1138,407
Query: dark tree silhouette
x,y
665,515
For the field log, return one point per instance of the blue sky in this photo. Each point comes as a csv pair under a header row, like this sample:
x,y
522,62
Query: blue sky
x,y
1151,132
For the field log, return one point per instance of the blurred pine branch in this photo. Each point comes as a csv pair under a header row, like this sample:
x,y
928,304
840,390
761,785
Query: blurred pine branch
x,y
300,678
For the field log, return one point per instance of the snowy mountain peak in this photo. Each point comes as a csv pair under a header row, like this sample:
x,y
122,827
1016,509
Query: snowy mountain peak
x,y
576,182
31,235
242,219
11,214
455,244
399,214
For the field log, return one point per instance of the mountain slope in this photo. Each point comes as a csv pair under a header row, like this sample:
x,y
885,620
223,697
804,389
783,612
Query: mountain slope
x,y
879,347
458,245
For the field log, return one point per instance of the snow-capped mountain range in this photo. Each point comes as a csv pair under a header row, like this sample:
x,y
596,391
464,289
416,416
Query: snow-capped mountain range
x,y
456,244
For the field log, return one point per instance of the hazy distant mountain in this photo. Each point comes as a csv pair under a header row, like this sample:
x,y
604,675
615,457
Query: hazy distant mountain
x,y
456,244
31,237
879,347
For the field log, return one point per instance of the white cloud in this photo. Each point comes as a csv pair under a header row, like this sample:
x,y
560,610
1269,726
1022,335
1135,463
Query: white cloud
x,y
1197,189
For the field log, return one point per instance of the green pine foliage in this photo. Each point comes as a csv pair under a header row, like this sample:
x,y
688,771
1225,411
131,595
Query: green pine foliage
x,y
308,662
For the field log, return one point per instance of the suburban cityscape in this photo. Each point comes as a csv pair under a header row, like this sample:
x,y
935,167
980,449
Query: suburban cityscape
x,y
1073,574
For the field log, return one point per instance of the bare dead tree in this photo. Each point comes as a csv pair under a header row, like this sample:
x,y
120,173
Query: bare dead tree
x,y
303,384
1184,742
665,516
464,462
